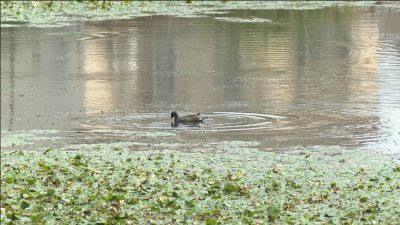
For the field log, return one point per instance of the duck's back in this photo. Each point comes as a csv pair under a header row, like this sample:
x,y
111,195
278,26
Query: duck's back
x,y
191,118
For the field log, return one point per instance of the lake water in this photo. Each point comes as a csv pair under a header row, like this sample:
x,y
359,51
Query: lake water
x,y
327,76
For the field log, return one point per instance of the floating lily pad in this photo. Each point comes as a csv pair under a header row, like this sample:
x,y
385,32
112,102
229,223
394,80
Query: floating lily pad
x,y
207,187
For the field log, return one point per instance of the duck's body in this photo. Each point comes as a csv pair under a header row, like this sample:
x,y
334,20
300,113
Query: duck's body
x,y
187,119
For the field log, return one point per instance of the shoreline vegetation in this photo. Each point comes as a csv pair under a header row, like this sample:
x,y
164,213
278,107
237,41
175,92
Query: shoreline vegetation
x,y
234,185
60,13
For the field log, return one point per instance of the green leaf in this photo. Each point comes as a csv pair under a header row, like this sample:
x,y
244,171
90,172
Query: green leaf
x,y
231,188
240,175
272,210
35,218
24,193
24,205
47,150
113,198
45,214
9,179
11,216
50,191
216,196
190,212
190,203
44,166
153,208
211,222
84,175
133,201
31,181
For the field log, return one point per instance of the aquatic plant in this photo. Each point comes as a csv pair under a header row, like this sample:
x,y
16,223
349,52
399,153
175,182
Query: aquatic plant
x,y
60,13
240,185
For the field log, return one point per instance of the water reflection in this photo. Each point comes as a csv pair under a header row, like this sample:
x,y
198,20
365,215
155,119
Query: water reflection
x,y
187,125
328,74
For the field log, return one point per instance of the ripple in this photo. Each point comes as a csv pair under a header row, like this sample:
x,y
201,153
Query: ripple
x,y
217,121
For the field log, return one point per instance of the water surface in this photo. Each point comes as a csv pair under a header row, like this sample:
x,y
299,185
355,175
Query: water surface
x,y
281,78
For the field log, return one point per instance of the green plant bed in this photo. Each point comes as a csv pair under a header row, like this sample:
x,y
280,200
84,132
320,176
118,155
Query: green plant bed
x,y
65,13
322,185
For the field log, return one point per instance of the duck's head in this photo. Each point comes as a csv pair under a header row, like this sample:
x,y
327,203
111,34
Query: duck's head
x,y
174,115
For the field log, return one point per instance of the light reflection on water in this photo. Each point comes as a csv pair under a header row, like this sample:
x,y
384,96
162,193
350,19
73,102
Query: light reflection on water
x,y
330,80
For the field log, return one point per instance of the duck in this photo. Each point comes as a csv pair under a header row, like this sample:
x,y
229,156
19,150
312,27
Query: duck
x,y
187,119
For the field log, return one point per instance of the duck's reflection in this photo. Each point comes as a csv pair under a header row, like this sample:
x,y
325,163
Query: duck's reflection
x,y
186,124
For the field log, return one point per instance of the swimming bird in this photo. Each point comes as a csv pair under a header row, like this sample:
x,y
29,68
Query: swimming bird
x,y
187,119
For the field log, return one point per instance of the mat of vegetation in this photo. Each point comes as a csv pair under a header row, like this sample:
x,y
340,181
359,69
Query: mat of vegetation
x,y
64,13
320,185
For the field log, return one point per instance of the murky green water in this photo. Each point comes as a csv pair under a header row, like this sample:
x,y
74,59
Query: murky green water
x,y
277,77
